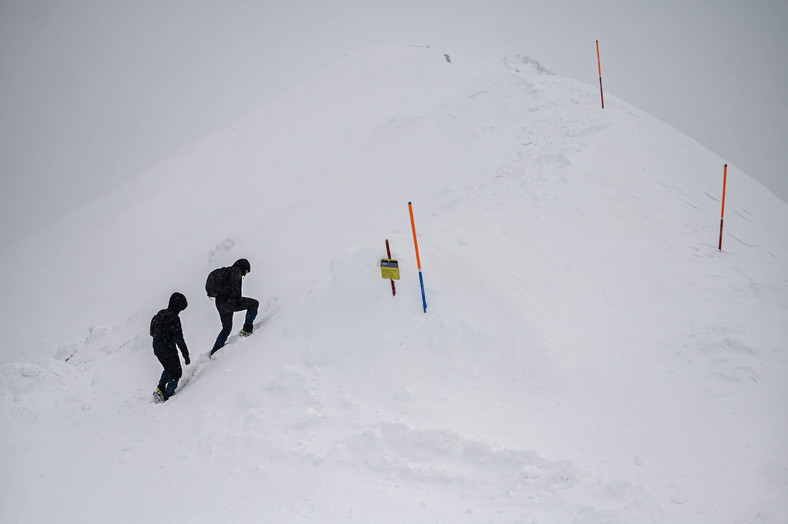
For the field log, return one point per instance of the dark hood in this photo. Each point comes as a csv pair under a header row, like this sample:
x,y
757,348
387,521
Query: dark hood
x,y
177,303
243,265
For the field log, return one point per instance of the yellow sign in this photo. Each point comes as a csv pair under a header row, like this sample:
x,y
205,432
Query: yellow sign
x,y
389,269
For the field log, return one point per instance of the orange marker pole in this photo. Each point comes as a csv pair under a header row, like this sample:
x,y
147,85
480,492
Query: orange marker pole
x,y
599,63
722,214
418,260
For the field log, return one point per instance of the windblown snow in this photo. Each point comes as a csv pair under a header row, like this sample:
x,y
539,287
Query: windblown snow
x,y
588,354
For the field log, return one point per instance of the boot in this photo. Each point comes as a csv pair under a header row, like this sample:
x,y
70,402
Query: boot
x,y
158,395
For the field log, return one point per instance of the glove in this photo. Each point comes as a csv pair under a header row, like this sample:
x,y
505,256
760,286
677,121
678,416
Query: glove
x,y
186,360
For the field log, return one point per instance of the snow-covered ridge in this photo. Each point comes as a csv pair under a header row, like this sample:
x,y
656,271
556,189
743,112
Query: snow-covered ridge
x,y
588,355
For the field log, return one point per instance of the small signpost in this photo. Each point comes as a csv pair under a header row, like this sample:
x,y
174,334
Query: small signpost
x,y
389,268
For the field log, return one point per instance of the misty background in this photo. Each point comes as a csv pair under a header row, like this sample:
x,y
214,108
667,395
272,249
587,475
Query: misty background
x,y
96,91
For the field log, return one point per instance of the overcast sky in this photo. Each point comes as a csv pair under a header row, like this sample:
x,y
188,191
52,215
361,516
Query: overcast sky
x,y
94,91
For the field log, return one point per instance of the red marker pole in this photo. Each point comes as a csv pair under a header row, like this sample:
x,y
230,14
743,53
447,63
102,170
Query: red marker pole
x,y
388,253
722,214
599,64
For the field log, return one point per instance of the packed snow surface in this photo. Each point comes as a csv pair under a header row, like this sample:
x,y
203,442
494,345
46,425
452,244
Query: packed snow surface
x,y
588,354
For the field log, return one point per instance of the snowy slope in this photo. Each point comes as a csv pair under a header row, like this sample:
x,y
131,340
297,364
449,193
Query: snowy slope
x,y
588,354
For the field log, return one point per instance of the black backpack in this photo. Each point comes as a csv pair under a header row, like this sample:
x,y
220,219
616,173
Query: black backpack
x,y
159,326
216,284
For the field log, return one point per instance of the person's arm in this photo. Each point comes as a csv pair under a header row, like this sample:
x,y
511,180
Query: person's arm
x,y
179,341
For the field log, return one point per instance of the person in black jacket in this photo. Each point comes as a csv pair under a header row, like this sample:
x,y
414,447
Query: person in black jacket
x,y
165,328
229,300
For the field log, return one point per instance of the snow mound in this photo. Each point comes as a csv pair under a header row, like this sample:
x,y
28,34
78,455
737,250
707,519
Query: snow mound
x,y
588,354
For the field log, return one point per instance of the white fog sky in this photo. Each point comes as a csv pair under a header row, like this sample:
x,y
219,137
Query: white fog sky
x,y
94,91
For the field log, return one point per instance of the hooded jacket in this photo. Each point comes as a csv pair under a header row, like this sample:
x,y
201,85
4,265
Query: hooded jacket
x,y
234,281
166,328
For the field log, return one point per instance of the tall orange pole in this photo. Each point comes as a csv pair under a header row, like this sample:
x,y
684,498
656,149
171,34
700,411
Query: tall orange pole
x,y
599,63
418,260
722,214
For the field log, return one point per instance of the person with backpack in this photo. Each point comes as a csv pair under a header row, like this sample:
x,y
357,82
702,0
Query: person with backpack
x,y
165,328
224,284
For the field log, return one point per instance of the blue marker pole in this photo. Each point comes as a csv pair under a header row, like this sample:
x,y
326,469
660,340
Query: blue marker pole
x,y
418,259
